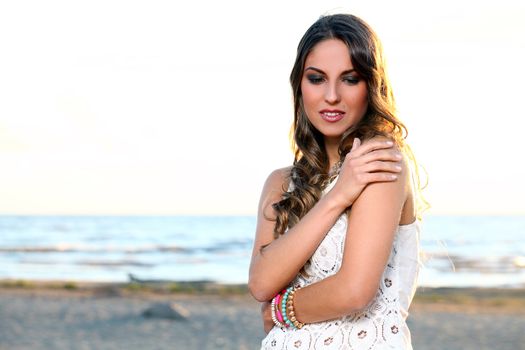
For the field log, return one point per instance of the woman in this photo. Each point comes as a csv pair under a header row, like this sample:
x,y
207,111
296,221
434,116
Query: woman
x,y
336,246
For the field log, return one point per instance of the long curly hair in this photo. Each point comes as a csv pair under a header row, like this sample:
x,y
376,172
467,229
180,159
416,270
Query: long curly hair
x,y
309,173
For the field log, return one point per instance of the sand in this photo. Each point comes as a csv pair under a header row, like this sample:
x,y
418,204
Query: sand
x,y
79,317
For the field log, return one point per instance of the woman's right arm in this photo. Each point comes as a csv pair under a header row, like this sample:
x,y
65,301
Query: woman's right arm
x,y
275,266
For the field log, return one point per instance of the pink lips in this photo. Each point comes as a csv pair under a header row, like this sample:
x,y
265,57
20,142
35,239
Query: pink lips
x,y
332,115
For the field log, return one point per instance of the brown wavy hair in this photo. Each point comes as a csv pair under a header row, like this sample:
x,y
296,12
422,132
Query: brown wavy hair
x,y
309,173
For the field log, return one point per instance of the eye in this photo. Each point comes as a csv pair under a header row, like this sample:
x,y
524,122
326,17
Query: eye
x,y
315,78
350,79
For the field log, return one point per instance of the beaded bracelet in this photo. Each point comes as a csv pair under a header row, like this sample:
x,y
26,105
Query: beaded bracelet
x,y
283,308
274,310
291,311
277,311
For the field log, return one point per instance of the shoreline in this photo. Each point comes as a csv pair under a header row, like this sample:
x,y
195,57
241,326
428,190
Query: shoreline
x,y
453,299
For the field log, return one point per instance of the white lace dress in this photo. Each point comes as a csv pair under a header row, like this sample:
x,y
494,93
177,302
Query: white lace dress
x,y
382,324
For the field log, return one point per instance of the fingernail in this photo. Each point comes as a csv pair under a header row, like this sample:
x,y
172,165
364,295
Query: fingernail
x,y
393,177
390,143
397,167
399,156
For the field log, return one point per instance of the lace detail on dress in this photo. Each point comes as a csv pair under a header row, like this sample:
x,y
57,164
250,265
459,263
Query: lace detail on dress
x,y
381,325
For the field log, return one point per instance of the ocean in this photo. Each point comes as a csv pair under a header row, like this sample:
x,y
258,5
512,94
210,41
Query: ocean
x,y
459,251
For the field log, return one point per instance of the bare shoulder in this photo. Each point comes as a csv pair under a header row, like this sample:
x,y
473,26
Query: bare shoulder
x,y
395,199
403,180
385,197
274,187
405,174
278,179
409,212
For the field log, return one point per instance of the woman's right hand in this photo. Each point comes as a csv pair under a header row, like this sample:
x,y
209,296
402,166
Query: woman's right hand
x,y
376,160
266,313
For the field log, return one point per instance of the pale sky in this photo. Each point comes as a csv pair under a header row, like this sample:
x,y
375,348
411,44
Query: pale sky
x,y
164,107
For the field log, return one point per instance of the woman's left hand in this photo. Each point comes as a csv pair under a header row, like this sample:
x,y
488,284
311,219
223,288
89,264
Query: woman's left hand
x,y
266,313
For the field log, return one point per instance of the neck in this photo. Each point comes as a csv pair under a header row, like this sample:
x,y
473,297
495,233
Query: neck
x,y
331,145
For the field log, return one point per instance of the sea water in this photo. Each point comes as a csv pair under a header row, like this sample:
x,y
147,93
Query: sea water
x,y
459,251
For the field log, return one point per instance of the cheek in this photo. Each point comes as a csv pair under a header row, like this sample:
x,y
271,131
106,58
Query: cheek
x,y
309,95
359,97
364,101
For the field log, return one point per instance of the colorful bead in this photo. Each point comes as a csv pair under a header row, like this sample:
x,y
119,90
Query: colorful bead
x,y
291,310
274,311
286,316
277,311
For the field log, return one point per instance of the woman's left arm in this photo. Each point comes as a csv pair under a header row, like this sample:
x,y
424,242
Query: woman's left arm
x,y
372,223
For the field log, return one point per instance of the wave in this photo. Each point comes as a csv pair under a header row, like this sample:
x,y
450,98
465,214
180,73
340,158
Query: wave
x,y
499,264
103,263
218,247
70,248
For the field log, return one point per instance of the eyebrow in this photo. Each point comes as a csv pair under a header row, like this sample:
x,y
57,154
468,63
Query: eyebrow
x,y
320,71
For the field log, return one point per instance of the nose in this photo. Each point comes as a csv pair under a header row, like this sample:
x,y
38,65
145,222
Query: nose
x,y
332,93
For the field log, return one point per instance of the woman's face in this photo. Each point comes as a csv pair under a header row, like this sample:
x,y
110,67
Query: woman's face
x,y
334,95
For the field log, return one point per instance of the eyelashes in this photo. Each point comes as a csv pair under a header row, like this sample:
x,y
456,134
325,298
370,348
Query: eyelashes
x,y
317,79
351,80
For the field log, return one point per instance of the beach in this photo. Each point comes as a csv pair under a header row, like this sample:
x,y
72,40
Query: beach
x,y
71,315
457,251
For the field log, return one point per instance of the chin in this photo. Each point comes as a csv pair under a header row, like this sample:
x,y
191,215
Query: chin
x,y
332,134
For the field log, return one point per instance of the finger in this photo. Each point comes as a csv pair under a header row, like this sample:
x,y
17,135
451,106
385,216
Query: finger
x,y
263,306
380,138
380,166
379,177
370,146
268,327
391,155
356,143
